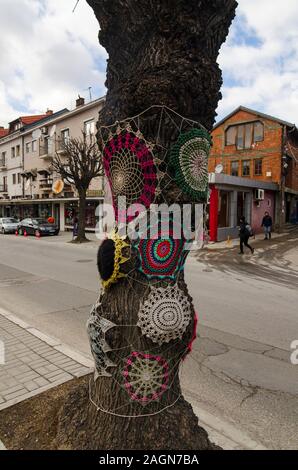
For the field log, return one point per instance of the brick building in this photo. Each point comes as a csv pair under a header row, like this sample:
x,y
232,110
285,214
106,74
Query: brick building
x,y
253,168
27,150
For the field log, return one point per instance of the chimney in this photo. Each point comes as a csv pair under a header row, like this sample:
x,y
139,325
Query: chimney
x,y
80,101
49,112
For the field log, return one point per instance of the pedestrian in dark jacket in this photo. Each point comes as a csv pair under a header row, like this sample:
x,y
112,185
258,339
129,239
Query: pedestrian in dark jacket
x,y
244,235
267,225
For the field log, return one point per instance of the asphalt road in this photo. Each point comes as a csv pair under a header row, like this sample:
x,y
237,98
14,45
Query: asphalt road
x,y
240,368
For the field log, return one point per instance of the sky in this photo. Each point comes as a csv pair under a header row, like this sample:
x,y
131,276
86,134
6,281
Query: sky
x,y
49,55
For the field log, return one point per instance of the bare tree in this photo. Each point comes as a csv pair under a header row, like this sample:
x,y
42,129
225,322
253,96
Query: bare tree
x,y
78,164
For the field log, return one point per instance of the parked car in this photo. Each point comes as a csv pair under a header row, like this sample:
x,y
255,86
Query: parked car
x,y
37,227
8,225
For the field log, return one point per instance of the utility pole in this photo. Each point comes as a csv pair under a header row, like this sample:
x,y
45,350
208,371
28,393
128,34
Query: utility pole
x,y
284,166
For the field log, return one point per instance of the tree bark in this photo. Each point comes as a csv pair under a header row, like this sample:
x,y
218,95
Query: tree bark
x,y
160,53
81,237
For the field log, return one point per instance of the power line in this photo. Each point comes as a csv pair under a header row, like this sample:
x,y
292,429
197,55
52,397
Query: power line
x,y
75,6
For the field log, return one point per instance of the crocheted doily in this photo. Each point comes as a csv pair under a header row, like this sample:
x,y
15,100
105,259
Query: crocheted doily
x,y
146,377
130,169
189,158
165,314
162,256
97,327
119,259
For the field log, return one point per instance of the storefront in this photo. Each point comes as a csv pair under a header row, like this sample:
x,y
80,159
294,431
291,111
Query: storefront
x,y
232,197
63,211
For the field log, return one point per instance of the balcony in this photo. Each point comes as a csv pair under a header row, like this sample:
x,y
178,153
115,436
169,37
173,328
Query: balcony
x,y
3,166
47,149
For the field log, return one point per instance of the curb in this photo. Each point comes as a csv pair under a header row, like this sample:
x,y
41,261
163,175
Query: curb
x,y
222,432
53,342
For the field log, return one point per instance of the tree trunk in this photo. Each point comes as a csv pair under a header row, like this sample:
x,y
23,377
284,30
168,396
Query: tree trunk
x,y
81,237
160,53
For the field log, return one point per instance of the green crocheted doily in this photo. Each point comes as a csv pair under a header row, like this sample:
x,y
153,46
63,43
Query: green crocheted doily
x,y
189,160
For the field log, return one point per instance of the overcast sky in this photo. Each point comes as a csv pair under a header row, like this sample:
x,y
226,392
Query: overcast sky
x,y
48,56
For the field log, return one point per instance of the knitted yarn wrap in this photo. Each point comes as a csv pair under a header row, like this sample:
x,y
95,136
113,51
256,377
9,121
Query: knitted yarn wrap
x,y
189,159
119,259
130,169
97,326
162,256
165,314
146,377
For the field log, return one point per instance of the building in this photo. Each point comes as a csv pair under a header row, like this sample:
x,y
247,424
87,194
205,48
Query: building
x,y
253,168
27,150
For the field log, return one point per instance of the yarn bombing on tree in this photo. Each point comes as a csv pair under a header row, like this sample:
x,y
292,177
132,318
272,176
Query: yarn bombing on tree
x,y
130,169
189,159
145,377
165,314
110,258
162,256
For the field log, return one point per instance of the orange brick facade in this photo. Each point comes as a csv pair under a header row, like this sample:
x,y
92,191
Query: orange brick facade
x,y
269,150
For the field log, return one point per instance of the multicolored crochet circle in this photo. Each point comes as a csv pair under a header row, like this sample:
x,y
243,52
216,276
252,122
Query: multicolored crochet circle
x,y
146,377
189,159
162,256
130,170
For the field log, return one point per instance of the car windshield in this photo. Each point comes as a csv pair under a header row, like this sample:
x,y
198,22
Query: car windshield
x,y
10,221
39,221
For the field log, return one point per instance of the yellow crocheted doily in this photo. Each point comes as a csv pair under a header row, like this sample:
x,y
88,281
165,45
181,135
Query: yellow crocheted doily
x,y
119,259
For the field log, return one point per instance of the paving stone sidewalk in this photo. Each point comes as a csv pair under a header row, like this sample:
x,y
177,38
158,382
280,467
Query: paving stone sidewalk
x,y
31,365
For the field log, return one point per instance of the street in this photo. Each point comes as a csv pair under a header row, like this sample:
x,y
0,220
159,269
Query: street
x,y
239,370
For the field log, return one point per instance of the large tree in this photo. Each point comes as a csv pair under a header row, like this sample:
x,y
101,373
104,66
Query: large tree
x,y
161,52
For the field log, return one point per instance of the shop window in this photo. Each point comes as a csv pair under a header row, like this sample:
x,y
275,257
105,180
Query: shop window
x,y
245,168
235,168
258,167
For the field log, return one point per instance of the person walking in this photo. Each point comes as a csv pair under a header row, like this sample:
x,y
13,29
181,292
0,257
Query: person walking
x,y
267,225
244,234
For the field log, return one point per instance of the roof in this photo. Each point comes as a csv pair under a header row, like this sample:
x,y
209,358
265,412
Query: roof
x,y
3,132
31,119
257,113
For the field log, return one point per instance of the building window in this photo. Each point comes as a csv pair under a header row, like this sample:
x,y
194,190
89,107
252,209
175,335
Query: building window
x,y
18,151
13,152
28,147
89,127
34,145
258,170
14,178
65,136
235,168
244,135
19,178
3,158
231,135
245,168
258,132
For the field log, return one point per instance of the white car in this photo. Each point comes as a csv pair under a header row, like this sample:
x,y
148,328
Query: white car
x,y
8,225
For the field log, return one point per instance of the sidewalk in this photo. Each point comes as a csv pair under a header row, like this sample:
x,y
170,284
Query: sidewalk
x,y
235,241
33,362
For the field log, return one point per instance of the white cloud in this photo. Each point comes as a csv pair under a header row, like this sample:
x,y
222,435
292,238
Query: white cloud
x,y
47,56
260,59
